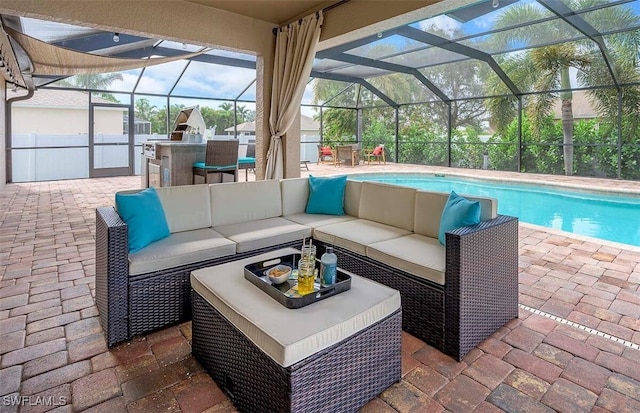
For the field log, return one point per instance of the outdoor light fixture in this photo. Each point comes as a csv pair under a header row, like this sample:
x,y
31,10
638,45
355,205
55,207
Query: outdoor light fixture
x,y
495,4
116,37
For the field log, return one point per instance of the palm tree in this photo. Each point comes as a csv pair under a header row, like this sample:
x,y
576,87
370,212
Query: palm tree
x,y
91,81
541,69
546,68
226,106
243,113
552,64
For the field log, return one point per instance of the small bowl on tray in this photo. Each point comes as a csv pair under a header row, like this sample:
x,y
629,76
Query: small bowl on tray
x,y
278,274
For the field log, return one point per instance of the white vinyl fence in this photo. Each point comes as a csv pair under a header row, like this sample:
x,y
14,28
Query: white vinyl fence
x,y
38,157
309,147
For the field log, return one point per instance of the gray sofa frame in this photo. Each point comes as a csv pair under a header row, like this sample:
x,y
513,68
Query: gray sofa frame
x,y
131,305
480,294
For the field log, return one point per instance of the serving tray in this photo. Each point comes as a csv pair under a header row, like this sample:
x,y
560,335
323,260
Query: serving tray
x,y
286,293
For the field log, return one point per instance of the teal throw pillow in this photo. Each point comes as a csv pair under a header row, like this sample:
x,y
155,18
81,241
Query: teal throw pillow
x,y
326,195
458,212
144,216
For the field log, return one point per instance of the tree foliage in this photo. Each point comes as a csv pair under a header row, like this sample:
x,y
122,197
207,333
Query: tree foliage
x,y
544,69
98,81
219,118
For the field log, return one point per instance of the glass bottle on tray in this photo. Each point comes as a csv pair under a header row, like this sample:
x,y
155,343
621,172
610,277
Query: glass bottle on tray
x,y
328,268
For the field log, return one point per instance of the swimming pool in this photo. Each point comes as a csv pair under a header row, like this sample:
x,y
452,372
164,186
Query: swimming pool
x,y
611,217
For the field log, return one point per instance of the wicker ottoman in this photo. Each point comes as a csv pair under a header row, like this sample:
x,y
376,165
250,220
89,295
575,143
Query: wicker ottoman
x,y
333,356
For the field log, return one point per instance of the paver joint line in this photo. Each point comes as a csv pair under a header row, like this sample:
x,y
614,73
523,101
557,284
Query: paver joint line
x,y
581,327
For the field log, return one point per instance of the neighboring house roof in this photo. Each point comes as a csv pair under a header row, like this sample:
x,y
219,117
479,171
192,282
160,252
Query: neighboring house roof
x,y
580,104
306,123
244,127
57,98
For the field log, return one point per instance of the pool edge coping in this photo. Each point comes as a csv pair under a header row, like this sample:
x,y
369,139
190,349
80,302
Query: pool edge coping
x,y
512,180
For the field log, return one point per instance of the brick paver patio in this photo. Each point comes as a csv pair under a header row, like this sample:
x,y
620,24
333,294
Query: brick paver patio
x,y
573,349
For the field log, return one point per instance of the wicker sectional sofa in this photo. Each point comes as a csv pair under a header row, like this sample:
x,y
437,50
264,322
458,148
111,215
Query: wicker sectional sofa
x,y
452,297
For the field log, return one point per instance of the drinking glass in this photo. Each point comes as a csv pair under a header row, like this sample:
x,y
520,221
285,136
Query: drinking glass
x,y
309,253
306,276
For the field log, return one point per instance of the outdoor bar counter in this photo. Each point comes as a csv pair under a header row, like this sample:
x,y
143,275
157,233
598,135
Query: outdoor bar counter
x,y
170,163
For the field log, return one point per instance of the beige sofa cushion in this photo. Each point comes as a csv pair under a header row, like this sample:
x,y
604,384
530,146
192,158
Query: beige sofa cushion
x,y
186,207
237,202
318,220
306,330
387,204
429,206
295,194
263,233
352,198
355,235
416,254
180,248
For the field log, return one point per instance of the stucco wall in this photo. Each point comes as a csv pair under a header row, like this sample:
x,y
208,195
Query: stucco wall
x,y
3,131
108,121
64,121
49,120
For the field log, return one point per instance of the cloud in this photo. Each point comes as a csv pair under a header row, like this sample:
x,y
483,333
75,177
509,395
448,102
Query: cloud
x,y
440,23
308,95
199,79
211,80
308,111
160,78
129,79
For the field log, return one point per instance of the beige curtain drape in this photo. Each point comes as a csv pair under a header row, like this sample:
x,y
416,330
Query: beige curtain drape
x,y
295,50
48,59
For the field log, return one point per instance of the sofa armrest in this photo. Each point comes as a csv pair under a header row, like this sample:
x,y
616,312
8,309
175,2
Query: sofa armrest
x,y
481,286
112,274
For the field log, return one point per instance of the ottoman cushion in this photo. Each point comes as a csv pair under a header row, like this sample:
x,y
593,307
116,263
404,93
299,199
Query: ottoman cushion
x,y
287,335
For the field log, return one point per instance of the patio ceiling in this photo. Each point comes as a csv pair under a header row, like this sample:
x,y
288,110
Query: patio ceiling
x,y
481,36
278,12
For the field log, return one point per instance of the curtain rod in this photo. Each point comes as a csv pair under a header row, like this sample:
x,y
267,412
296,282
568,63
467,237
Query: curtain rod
x,y
324,10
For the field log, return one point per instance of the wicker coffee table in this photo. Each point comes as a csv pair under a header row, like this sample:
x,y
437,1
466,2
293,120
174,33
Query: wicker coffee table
x,y
334,355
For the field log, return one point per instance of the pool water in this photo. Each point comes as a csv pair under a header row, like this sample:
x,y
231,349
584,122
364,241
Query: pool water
x,y
610,217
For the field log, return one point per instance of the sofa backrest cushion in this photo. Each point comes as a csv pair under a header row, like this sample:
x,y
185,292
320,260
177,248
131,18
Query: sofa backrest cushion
x,y
236,202
186,207
352,198
429,206
295,193
388,204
